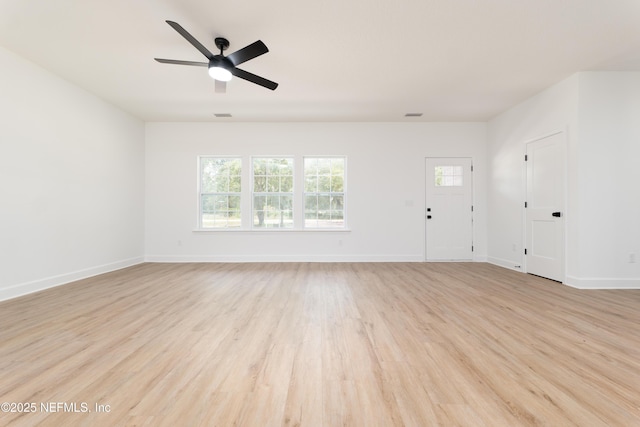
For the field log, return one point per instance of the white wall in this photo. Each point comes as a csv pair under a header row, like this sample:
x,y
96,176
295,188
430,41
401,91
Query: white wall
x,y
385,184
609,176
71,181
598,112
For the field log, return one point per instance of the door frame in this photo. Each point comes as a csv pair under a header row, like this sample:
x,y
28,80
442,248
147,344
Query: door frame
x,y
424,218
565,211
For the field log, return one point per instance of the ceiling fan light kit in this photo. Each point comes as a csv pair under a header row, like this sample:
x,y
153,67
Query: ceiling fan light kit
x,y
220,67
220,73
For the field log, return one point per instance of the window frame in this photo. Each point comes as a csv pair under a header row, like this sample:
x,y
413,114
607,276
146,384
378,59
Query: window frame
x,y
202,193
330,193
245,203
279,194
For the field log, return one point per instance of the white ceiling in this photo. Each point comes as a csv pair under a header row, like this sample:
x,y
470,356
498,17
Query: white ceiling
x,y
335,60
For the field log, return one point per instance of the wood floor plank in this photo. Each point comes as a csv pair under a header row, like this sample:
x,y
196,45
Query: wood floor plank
x,y
321,344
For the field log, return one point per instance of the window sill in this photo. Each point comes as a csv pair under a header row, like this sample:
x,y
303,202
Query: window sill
x,y
272,230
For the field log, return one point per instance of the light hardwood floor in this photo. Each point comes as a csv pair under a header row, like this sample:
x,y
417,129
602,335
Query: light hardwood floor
x,y
322,344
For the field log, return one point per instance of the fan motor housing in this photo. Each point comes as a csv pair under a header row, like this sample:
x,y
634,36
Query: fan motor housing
x,y
221,61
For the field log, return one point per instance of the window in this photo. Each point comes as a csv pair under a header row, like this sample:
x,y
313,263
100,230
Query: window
x,y
448,176
277,198
272,192
220,192
324,192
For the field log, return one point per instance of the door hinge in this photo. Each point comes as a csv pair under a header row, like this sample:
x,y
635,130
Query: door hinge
x,y
526,158
525,204
471,168
471,208
525,251
471,248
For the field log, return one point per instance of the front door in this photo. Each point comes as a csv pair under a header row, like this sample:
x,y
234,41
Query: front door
x,y
449,210
544,207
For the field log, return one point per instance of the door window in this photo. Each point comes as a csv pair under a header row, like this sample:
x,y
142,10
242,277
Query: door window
x,y
448,176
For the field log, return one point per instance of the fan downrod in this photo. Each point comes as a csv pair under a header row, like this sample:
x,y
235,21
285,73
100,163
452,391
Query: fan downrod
x,y
222,43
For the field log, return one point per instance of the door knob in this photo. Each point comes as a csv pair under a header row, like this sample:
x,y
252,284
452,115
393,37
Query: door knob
x,y
557,214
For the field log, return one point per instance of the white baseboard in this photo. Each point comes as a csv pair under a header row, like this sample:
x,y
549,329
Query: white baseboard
x,y
576,282
602,283
505,263
290,258
283,258
61,279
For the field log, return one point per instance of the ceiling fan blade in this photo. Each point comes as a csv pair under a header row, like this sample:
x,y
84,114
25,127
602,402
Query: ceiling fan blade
x,y
221,87
254,79
175,61
191,39
248,52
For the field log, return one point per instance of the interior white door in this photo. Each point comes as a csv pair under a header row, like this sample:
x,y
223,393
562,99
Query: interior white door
x,y
449,209
544,207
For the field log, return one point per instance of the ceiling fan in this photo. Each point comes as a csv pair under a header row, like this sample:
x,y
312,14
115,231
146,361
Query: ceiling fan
x,y
221,67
